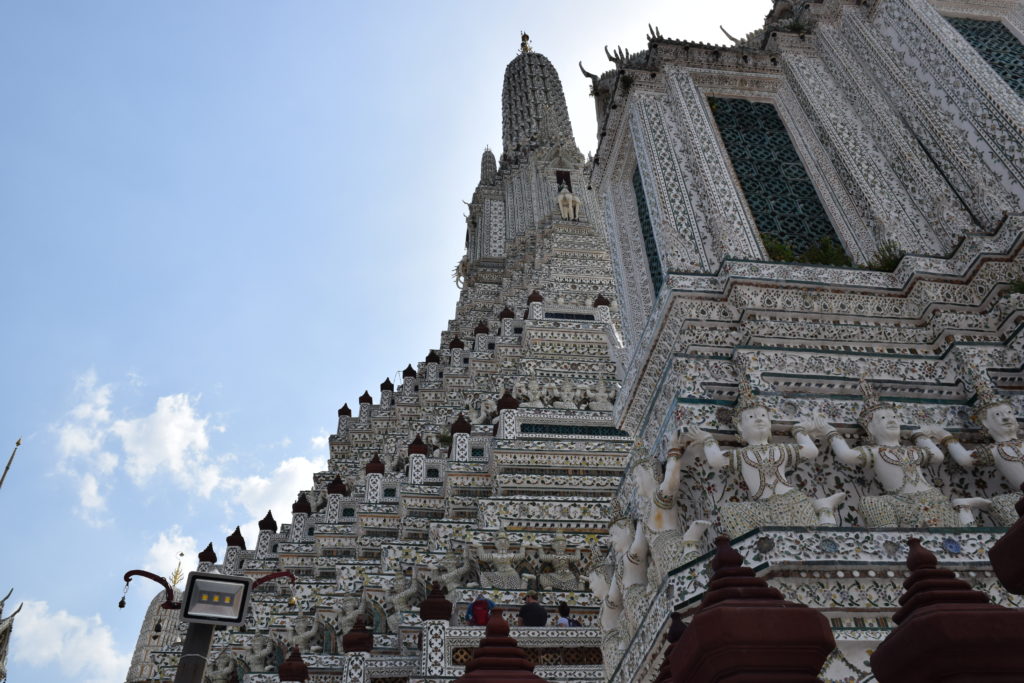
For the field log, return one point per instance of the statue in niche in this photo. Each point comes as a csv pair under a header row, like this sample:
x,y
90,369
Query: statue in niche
x,y
519,390
634,576
568,204
255,656
669,545
562,577
450,572
486,413
1006,451
504,575
620,531
566,396
600,397
460,271
550,393
222,669
401,597
342,617
304,632
533,394
763,465
910,500
317,500
629,583
598,570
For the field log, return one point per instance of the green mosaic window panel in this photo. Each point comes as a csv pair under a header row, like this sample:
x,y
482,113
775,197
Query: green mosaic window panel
x,y
780,195
997,46
571,430
569,316
650,246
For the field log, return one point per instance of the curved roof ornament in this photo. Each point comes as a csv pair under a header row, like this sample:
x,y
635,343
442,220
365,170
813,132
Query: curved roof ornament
x,y
619,57
592,77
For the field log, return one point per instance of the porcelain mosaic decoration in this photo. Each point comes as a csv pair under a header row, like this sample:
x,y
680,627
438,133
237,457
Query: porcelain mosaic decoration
x,y
782,301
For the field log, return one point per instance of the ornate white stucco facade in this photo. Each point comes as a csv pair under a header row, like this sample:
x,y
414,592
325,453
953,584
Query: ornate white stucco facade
x,y
823,221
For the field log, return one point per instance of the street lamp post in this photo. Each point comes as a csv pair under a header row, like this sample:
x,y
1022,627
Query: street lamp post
x,y
209,599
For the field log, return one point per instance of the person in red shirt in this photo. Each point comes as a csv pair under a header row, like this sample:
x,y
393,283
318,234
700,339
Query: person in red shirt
x,y
479,611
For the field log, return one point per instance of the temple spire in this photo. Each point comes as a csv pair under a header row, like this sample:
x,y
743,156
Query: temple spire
x,y
532,103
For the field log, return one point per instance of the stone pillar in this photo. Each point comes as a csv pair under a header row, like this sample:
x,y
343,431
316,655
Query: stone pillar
x,y
985,105
886,215
355,667
365,409
268,527
233,554
433,361
948,632
432,656
602,309
408,381
499,657
301,510
508,421
374,487
417,460
387,394
535,305
481,337
336,490
207,559
745,631
507,320
456,350
674,138
417,468
460,431
344,418
374,480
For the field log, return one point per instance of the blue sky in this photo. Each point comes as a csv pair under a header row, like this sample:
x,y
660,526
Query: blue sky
x,y
219,222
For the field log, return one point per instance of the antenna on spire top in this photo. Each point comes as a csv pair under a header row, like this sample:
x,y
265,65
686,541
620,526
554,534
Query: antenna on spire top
x,y
524,47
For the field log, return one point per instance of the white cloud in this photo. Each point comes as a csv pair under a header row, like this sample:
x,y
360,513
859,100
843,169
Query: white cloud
x,y
96,407
320,441
170,547
84,431
171,438
79,440
76,439
106,462
276,492
171,443
83,648
92,504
